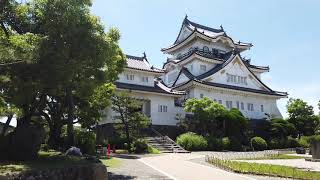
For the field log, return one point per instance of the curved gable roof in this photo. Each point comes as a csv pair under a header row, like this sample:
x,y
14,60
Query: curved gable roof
x,y
141,63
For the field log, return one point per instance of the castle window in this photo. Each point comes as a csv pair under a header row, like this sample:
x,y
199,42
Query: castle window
x,y
242,106
238,105
205,49
236,79
203,67
220,101
145,79
130,77
162,108
262,109
201,95
250,107
229,104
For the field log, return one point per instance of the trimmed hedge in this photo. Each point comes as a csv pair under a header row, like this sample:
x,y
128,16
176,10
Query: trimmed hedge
x,y
258,144
192,142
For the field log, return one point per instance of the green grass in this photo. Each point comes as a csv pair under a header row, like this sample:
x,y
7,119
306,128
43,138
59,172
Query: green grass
x,y
111,162
152,150
46,160
280,156
122,151
265,169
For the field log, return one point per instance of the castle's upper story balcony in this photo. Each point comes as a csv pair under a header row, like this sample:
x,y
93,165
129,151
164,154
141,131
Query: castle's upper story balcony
x,y
213,54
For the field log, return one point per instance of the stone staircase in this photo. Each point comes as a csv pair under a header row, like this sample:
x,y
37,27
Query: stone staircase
x,y
164,143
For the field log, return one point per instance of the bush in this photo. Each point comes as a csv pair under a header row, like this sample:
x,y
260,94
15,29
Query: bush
x,y
305,141
192,142
86,141
276,144
258,144
139,146
214,144
235,144
152,150
225,143
292,143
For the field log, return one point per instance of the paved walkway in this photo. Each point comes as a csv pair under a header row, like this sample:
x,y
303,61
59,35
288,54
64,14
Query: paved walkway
x,y
179,166
132,168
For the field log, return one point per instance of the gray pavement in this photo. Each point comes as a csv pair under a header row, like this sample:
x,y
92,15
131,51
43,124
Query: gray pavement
x,y
132,169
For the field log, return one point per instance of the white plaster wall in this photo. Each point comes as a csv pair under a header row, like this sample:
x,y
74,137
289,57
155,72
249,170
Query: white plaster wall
x,y
137,78
269,103
182,78
157,118
235,69
196,63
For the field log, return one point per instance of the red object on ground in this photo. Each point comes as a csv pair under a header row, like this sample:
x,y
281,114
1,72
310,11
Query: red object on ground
x,y
114,149
109,150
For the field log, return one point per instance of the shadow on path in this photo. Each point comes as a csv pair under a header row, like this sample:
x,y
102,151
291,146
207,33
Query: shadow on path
x,y
114,176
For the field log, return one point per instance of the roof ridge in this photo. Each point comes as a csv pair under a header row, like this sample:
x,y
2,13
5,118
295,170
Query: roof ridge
x,y
135,57
196,25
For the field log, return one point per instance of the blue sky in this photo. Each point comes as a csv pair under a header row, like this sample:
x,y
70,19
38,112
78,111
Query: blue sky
x,y
285,34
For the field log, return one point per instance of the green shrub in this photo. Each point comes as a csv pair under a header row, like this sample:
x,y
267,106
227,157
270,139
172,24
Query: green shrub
x,y
292,143
276,144
192,142
258,144
315,139
305,141
235,144
214,144
225,143
86,141
152,150
139,146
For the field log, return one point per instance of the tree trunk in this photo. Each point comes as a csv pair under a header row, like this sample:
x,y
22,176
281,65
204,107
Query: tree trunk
x,y
6,125
54,140
70,119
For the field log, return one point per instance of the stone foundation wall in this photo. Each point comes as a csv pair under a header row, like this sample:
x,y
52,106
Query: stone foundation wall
x,y
91,171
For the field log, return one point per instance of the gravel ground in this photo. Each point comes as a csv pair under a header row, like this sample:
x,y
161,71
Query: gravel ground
x,y
131,168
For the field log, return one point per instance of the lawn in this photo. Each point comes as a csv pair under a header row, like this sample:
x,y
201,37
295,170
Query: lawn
x,y
46,160
279,156
265,169
111,162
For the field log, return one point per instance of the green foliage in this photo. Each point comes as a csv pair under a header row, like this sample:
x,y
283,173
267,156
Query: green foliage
x,y
305,141
315,139
86,141
192,142
207,115
129,117
57,64
152,150
214,144
235,124
226,144
139,146
302,116
292,142
235,144
265,169
258,144
281,128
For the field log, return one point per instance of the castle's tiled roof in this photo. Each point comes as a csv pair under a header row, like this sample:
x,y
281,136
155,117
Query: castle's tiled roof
x,y
141,63
158,87
215,69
